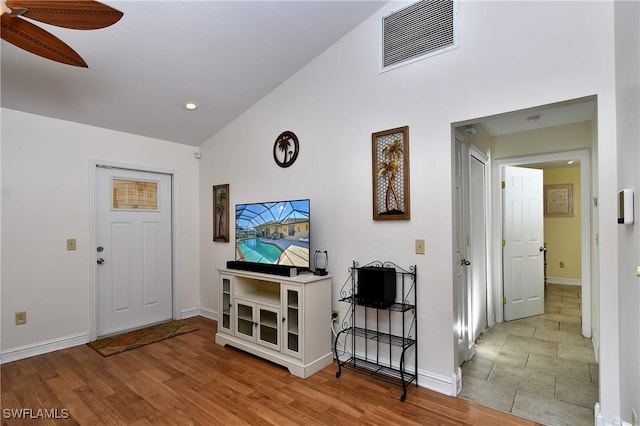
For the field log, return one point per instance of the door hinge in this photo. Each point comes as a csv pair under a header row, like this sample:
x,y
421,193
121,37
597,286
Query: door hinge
x,y
504,300
504,185
504,242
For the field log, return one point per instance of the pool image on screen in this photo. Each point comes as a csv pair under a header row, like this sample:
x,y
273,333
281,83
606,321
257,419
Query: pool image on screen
x,y
275,233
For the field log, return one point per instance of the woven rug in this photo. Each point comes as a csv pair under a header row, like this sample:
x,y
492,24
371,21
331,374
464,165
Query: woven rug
x,y
134,339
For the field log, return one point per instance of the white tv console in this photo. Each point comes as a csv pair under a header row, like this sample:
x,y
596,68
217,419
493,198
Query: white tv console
x,y
285,320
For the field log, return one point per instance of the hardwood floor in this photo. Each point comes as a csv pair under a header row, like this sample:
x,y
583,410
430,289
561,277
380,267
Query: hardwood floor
x,y
189,380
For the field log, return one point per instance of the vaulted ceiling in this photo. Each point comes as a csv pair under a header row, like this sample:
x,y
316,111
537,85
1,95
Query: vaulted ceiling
x,y
223,55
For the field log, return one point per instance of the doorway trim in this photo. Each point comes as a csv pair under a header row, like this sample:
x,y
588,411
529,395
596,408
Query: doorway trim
x,y
585,224
93,238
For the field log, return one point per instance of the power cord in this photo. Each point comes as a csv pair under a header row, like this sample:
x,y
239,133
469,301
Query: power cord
x,y
335,341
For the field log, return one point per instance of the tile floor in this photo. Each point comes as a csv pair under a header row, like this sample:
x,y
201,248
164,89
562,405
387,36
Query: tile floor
x,y
539,368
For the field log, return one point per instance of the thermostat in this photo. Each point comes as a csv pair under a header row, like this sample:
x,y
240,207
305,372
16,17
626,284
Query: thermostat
x,y
625,207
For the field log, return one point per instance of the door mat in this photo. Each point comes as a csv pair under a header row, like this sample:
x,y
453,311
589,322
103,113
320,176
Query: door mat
x,y
134,339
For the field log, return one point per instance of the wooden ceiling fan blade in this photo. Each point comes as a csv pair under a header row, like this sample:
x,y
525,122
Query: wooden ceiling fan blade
x,y
74,14
34,39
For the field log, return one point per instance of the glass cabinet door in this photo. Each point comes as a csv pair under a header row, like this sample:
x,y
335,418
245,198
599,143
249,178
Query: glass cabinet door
x,y
226,305
268,327
244,320
292,336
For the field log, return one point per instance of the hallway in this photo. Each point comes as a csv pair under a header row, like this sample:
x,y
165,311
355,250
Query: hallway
x,y
539,368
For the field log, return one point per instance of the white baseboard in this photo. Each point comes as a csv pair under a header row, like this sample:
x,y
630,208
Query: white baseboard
x,y
566,281
208,313
601,421
21,352
439,383
458,380
189,313
427,379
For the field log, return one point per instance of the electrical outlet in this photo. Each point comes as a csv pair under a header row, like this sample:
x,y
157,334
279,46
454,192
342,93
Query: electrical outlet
x,y
562,264
335,316
420,247
21,318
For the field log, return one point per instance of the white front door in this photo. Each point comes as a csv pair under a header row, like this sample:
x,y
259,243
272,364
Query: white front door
x,y
133,252
523,242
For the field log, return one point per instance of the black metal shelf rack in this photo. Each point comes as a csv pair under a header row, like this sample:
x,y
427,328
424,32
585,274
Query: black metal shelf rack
x,y
375,355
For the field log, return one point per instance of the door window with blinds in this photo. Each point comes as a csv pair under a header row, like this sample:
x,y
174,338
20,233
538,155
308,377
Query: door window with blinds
x,y
129,194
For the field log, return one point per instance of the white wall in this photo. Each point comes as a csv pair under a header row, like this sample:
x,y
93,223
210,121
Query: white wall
x,y
570,137
46,199
627,15
512,55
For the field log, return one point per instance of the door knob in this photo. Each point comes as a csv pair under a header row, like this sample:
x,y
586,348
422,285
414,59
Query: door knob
x,y
542,249
100,261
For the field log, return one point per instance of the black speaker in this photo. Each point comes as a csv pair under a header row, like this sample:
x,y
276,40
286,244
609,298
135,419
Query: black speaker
x,y
282,270
376,287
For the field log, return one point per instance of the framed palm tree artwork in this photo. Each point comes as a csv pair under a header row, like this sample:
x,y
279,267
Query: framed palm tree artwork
x,y
390,154
221,213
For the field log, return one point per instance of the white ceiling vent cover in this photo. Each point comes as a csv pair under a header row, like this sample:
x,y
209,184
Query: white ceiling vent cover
x,y
420,30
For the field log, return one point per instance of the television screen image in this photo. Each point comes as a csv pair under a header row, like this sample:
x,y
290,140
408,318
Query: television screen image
x,y
275,233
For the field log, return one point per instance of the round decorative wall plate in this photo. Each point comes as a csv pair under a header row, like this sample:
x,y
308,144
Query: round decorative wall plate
x,y
285,149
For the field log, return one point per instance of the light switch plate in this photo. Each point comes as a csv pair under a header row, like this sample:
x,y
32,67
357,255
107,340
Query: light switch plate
x,y
420,247
71,244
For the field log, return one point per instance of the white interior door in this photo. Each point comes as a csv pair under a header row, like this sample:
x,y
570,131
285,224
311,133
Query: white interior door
x,y
460,255
523,234
133,253
478,246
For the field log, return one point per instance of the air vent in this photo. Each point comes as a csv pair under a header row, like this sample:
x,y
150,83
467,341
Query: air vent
x,y
420,30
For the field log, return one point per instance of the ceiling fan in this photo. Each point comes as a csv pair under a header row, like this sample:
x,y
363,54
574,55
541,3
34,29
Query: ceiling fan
x,y
74,14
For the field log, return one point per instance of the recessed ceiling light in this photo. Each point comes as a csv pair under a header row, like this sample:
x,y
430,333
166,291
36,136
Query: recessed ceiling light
x,y
190,105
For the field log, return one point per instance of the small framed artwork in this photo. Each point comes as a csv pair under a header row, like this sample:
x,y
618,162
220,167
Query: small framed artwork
x,y
390,155
221,213
286,148
558,200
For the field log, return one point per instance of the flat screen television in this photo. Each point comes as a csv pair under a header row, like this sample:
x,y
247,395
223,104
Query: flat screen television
x,y
274,233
